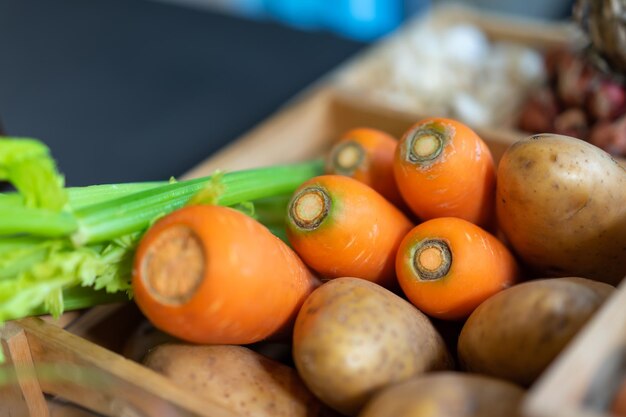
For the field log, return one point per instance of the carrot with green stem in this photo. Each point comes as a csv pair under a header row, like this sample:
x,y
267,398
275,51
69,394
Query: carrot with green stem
x,y
211,274
341,227
366,155
448,266
444,169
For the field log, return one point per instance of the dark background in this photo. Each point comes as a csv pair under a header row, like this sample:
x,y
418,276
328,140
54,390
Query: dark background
x,y
132,90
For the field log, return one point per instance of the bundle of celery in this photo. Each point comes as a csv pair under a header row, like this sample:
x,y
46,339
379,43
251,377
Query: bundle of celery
x,y
67,248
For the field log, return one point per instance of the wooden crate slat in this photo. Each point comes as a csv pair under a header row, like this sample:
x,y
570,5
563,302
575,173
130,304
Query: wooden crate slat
x,y
563,388
25,396
108,383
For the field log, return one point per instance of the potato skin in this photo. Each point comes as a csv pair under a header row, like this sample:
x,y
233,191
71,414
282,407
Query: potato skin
x,y
353,337
561,202
518,332
236,378
447,394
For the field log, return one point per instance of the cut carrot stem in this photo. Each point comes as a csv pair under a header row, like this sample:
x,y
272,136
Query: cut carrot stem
x,y
443,169
347,156
310,207
432,259
427,146
448,266
175,252
367,155
211,274
341,227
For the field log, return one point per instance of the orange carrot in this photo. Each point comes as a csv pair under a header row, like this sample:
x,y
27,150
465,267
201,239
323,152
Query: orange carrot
x,y
448,266
210,274
443,169
341,227
367,156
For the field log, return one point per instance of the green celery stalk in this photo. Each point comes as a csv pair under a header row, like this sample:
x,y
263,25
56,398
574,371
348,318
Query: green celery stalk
x,y
76,298
135,212
84,196
272,210
41,222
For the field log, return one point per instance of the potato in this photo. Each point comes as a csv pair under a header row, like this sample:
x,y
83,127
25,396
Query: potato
x,y
353,337
447,394
561,202
236,378
518,332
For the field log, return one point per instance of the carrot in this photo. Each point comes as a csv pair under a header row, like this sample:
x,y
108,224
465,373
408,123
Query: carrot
x,y
367,155
443,169
210,274
341,227
448,266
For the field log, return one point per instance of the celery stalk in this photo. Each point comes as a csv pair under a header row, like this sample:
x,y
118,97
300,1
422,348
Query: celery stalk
x,y
133,213
76,298
92,194
41,222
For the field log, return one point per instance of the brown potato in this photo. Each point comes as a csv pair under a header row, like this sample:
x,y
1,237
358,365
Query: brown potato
x,y
447,394
236,378
518,332
561,202
353,337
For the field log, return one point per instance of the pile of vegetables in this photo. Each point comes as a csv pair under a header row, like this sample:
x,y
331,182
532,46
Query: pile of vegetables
x,y
423,266
580,100
404,268
585,93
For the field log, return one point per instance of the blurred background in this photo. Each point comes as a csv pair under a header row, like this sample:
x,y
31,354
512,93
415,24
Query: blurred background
x,y
367,20
132,90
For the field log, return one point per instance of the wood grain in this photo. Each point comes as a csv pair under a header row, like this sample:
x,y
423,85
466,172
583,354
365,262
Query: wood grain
x,y
100,380
25,397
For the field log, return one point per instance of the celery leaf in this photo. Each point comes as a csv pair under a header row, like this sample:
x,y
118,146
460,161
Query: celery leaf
x,y
27,164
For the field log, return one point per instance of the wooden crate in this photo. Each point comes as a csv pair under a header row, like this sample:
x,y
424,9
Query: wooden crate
x,y
584,379
82,363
